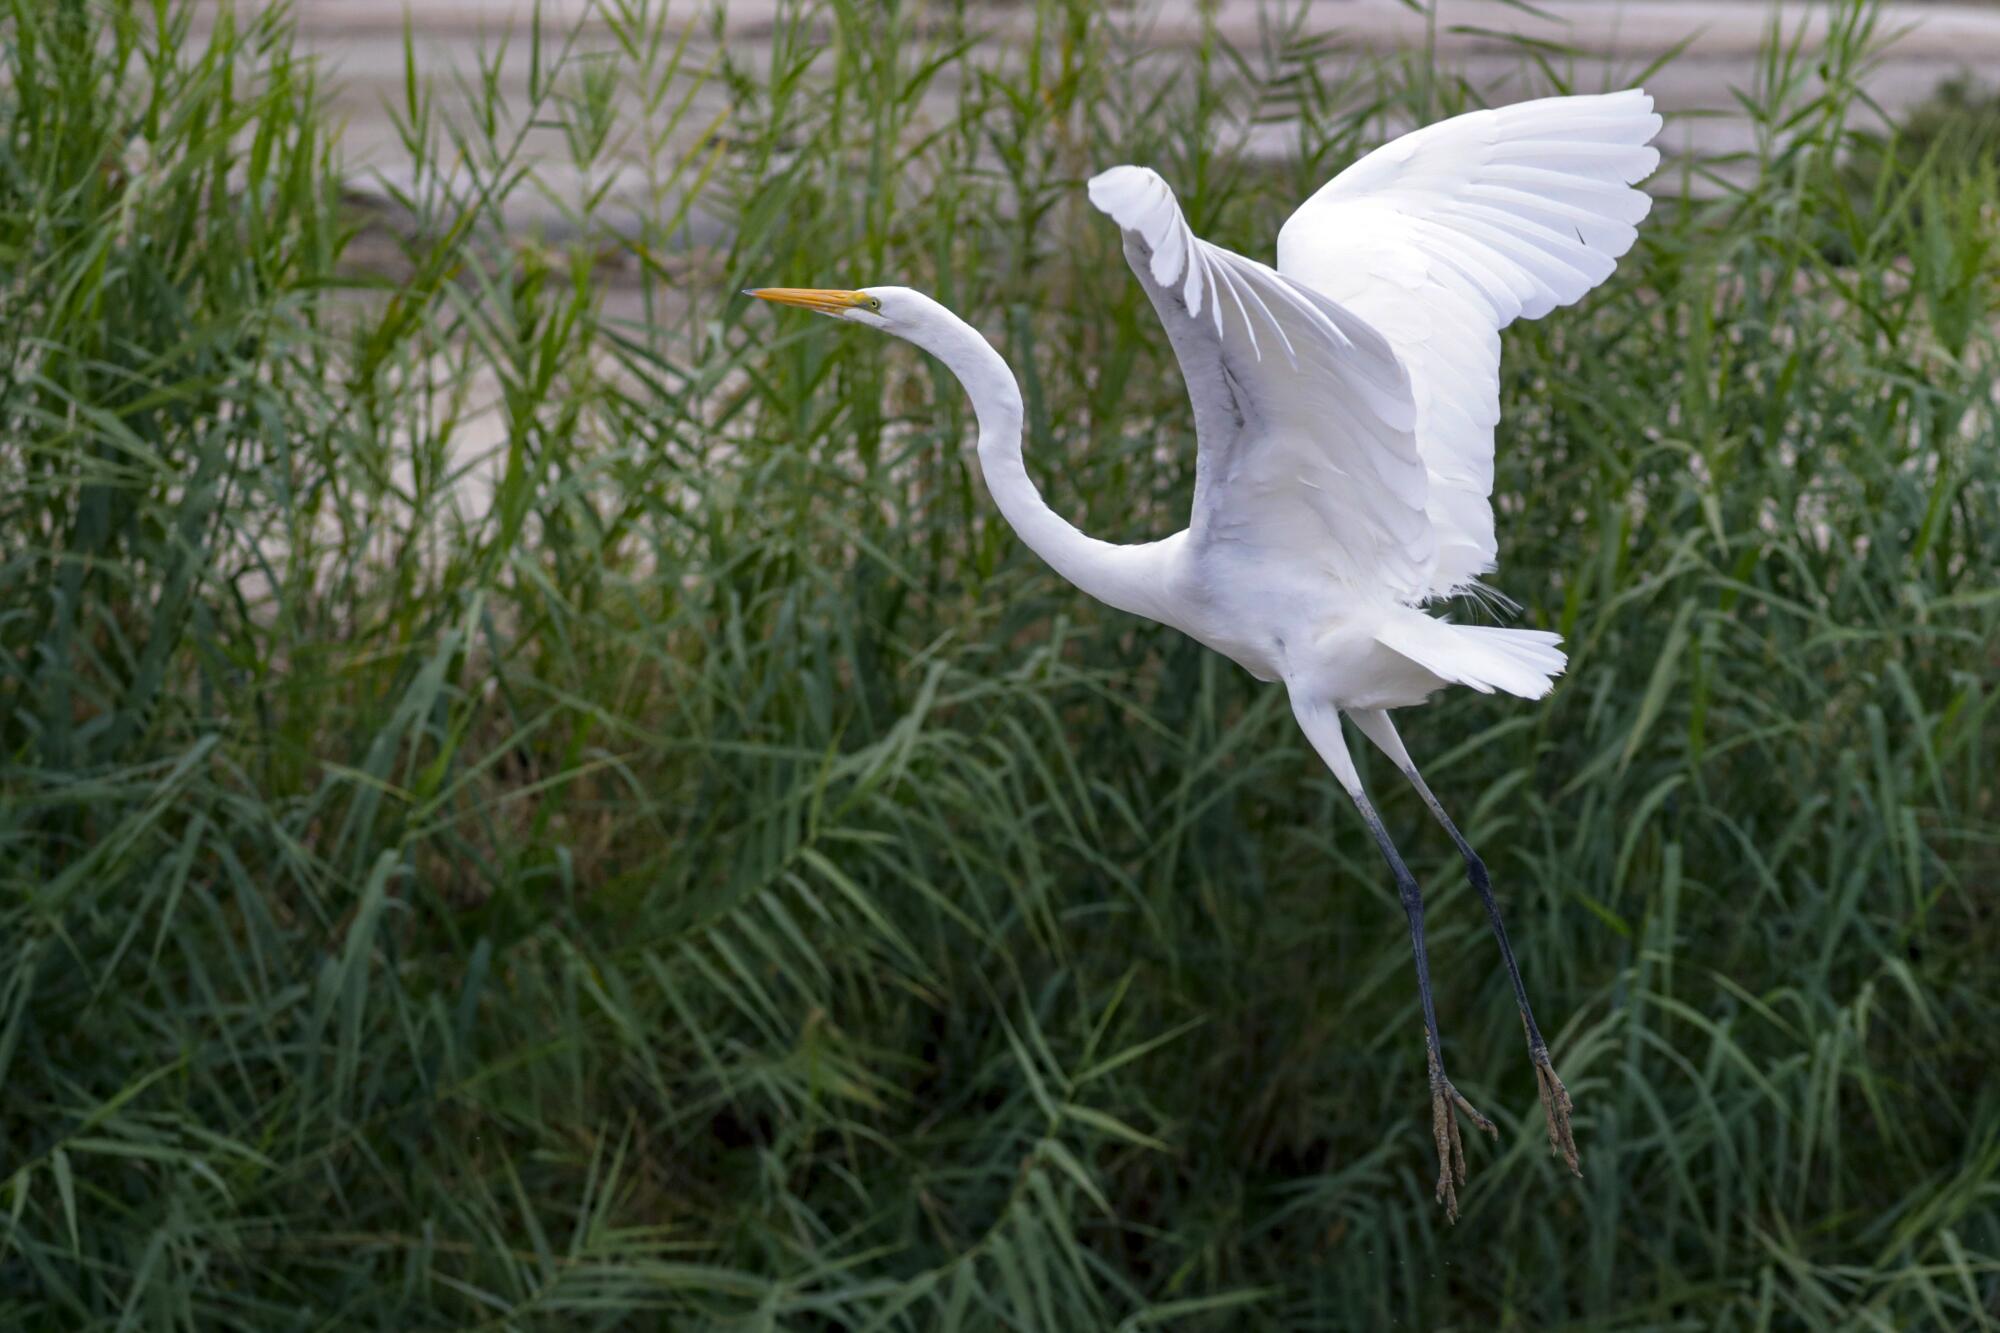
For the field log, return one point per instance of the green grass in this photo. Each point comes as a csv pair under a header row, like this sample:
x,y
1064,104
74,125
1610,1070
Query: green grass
x,y
719,879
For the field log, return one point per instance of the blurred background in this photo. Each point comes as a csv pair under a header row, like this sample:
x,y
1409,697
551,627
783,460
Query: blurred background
x,y
533,795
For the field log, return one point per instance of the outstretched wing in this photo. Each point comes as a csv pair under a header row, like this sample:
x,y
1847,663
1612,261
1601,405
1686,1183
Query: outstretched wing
x,y
1304,415
1444,237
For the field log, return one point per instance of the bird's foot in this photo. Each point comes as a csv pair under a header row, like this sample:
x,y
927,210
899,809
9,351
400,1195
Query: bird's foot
x,y
1444,1128
1555,1108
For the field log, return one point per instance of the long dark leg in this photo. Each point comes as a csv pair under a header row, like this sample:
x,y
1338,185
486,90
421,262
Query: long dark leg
x,y
1321,723
1555,1097
1556,1105
1444,1125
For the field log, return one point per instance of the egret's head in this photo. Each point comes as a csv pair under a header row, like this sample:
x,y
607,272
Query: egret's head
x,y
896,310
915,318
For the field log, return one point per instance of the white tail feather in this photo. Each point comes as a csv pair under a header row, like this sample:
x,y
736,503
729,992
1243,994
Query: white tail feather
x,y
1524,662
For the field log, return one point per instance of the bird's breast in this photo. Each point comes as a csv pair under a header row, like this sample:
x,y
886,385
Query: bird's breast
x,y
1309,631
1253,612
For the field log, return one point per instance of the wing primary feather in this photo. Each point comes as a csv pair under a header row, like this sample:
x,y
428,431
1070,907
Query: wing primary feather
x,y
1173,249
1192,291
1250,289
1603,194
1602,233
1227,279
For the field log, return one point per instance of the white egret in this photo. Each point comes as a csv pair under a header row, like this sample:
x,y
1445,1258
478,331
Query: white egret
x,y
1344,403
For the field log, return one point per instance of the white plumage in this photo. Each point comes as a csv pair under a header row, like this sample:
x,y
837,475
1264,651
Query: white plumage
x,y
1344,405
1426,248
1448,235
1308,448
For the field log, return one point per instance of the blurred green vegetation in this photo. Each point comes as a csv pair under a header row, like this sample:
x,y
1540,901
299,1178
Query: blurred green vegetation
x,y
1959,126
1943,153
701,872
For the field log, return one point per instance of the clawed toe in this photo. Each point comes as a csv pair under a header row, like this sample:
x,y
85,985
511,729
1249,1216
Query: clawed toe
x,y
1450,1146
1556,1109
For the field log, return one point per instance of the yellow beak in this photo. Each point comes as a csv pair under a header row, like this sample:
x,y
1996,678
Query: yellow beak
x,y
825,301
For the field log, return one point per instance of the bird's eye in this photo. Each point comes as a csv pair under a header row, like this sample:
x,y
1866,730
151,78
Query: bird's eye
x,y
874,303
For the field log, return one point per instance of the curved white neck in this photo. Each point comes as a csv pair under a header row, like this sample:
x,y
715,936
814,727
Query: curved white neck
x,y
1127,577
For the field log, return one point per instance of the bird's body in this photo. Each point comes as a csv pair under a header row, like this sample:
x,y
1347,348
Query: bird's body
x,y
1320,637
1344,403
